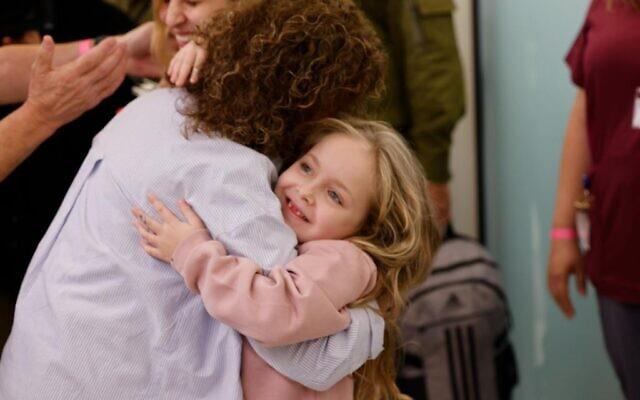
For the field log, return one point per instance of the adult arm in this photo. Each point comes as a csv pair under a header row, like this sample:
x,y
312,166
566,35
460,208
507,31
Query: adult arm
x,y
15,67
20,134
564,257
16,61
57,96
303,300
321,363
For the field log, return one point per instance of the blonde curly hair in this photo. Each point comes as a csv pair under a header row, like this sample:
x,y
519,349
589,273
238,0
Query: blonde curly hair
x,y
272,65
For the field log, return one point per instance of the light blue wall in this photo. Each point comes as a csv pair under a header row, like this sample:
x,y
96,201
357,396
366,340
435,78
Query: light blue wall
x,y
526,99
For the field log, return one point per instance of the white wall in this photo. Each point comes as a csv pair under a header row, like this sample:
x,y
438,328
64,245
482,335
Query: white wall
x,y
464,192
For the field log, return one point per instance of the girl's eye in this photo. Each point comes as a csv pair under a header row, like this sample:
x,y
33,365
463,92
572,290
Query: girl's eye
x,y
335,197
305,168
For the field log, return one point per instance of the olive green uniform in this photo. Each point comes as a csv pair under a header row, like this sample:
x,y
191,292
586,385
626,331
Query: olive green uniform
x,y
425,92
138,11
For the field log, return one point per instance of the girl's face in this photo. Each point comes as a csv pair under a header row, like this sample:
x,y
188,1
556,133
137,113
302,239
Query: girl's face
x,y
328,193
182,17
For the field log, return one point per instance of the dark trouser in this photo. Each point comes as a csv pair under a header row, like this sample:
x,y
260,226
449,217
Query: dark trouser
x,y
621,328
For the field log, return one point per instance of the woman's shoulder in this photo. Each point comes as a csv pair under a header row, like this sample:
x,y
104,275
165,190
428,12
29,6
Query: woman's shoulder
x,y
155,109
158,100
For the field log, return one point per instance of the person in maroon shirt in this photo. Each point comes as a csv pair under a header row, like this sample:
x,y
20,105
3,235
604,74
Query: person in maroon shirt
x,y
602,142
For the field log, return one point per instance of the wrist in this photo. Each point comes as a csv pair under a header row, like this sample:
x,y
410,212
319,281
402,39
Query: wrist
x,y
34,118
187,245
84,46
563,233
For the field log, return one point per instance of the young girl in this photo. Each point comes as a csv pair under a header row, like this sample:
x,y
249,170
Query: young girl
x,y
357,204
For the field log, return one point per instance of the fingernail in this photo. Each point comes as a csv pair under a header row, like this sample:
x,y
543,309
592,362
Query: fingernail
x,y
45,42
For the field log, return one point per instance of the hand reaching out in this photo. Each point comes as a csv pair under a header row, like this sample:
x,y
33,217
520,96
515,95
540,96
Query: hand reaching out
x,y
59,95
161,238
186,64
140,61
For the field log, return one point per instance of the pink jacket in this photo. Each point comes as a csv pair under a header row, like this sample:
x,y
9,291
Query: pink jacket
x,y
302,300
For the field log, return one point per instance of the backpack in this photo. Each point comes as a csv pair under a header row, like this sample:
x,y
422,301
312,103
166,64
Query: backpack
x,y
455,329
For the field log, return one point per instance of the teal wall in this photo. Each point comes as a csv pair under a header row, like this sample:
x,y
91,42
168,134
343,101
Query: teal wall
x,y
526,99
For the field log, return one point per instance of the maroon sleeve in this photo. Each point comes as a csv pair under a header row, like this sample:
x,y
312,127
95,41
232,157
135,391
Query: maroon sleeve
x,y
575,56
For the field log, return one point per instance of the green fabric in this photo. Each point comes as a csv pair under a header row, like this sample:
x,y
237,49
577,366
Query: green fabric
x,y
138,11
425,93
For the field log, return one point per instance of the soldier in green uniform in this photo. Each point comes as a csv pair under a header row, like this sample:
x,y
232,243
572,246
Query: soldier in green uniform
x,y
425,92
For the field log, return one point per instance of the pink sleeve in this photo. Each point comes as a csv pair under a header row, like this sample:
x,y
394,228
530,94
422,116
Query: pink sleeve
x,y
303,300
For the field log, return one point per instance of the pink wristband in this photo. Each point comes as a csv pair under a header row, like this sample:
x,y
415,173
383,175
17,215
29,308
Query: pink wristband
x,y
563,233
84,46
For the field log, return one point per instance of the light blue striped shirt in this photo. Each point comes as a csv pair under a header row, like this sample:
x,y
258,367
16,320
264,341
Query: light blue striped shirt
x,y
97,318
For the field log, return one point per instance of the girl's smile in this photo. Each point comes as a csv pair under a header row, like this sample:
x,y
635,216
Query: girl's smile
x,y
295,210
328,192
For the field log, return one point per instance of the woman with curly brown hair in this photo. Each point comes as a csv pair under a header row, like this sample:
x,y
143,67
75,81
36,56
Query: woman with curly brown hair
x,y
96,317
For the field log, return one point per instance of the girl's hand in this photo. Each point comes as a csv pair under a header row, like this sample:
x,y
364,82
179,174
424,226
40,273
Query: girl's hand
x,y
186,64
160,238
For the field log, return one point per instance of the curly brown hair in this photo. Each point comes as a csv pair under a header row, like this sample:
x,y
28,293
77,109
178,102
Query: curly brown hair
x,y
273,64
